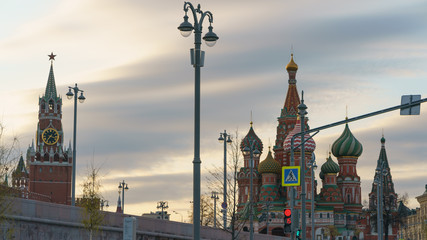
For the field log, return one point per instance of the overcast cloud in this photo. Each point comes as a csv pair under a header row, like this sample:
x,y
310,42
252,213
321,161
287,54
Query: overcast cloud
x,y
137,121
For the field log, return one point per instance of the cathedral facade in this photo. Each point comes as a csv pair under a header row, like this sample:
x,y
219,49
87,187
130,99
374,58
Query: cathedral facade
x,y
338,205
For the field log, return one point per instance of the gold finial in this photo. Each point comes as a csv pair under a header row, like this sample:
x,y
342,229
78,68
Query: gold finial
x,y
251,123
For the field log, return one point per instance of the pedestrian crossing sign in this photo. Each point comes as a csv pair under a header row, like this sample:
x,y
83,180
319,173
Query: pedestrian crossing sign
x,y
291,176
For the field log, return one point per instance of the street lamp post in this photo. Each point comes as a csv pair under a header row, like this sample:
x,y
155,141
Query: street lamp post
x,y
214,197
253,152
104,203
122,187
411,105
197,55
163,205
267,207
81,98
381,172
225,137
313,167
302,112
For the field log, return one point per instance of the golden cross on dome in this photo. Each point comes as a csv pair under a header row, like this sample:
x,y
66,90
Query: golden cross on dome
x,y
51,57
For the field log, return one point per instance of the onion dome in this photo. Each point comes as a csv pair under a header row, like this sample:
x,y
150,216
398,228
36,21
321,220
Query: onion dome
x,y
347,145
330,166
309,145
292,66
269,165
251,136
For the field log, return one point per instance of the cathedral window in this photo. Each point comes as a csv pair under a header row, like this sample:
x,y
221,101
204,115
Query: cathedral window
x,y
348,198
320,215
328,216
40,169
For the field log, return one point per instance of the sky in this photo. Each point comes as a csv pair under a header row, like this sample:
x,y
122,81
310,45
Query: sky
x,y
134,67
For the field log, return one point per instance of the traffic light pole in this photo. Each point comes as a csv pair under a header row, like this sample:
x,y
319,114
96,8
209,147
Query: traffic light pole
x,y
302,112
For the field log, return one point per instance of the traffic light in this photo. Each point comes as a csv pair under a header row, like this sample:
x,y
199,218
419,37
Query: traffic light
x,y
298,234
288,220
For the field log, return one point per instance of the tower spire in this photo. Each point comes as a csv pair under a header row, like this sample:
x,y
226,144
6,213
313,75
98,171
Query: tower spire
x,y
51,86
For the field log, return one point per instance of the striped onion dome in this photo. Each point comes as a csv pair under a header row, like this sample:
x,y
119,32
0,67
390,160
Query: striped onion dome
x,y
347,145
269,165
251,136
310,145
330,166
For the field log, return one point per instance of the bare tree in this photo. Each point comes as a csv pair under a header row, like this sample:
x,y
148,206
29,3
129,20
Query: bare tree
x,y
215,182
93,217
206,211
404,198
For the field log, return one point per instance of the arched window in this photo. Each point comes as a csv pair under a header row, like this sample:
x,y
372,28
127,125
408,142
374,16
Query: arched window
x,y
51,104
348,198
46,157
43,107
56,158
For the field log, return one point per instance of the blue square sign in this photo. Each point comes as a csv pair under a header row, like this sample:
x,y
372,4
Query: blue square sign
x,y
291,176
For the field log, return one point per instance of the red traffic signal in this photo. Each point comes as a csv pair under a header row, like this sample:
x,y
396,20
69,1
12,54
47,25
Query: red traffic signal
x,y
287,220
287,212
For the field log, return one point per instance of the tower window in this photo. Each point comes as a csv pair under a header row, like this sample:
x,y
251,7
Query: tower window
x,y
51,104
40,169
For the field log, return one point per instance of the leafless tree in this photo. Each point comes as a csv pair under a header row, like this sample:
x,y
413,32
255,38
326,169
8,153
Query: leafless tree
x,y
215,182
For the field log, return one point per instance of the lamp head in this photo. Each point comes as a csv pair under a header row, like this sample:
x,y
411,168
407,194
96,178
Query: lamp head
x,y
220,139
229,140
257,153
69,94
185,27
210,37
246,150
81,98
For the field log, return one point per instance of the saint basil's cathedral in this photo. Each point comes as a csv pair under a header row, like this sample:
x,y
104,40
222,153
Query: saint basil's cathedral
x,y
339,202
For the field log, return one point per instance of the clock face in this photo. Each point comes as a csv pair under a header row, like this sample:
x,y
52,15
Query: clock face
x,y
50,136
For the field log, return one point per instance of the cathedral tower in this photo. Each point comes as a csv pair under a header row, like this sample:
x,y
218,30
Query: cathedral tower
x,y
288,114
49,162
243,176
390,196
347,150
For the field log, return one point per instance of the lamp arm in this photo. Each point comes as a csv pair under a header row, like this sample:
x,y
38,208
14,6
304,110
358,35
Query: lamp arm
x,y
188,5
204,14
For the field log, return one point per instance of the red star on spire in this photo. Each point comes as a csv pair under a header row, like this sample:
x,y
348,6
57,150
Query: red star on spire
x,y
51,56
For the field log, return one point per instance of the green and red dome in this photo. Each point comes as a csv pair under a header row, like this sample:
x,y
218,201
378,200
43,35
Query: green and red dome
x,y
347,145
